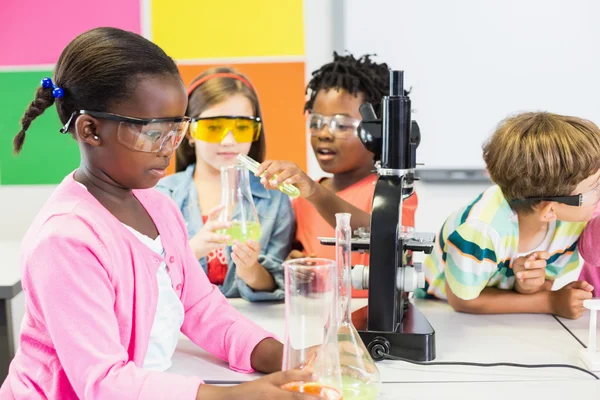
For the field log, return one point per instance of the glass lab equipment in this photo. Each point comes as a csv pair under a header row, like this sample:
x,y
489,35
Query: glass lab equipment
x,y
311,325
360,377
238,206
253,165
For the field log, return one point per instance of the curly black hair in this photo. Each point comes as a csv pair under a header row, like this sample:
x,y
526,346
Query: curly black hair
x,y
355,75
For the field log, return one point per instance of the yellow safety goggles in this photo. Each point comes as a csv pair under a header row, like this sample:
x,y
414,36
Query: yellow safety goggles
x,y
215,129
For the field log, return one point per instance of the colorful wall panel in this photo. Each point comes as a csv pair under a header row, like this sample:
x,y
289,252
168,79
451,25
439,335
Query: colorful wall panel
x,y
261,38
224,29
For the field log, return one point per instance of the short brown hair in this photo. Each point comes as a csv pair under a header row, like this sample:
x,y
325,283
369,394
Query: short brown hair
x,y
212,92
541,154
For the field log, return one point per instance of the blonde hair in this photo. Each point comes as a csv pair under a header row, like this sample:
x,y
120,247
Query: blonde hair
x,y
214,91
541,154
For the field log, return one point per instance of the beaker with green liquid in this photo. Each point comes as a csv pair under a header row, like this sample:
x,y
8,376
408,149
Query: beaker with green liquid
x,y
238,206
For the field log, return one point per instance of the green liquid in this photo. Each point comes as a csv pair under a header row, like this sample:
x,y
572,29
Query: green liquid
x,y
288,189
237,231
358,390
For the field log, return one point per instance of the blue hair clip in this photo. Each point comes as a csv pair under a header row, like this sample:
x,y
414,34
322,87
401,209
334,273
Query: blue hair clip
x,y
57,92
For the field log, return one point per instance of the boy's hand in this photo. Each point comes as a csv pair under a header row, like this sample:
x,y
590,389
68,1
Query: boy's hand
x,y
568,301
530,272
287,172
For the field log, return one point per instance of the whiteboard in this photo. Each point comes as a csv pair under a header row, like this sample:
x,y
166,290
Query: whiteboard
x,y
471,63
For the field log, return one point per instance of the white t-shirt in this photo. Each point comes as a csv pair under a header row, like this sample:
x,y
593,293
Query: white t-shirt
x,y
545,244
169,314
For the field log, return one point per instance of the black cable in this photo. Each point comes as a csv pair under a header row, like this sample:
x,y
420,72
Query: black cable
x,y
570,331
499,364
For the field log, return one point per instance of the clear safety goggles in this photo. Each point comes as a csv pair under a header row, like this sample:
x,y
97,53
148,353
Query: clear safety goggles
x,y
146,135
340,126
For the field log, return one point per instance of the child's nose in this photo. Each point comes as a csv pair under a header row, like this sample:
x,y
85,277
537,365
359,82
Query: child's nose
x,y
325,133
229,139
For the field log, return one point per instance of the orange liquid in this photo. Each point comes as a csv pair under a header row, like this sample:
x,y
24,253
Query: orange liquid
x,y
313,389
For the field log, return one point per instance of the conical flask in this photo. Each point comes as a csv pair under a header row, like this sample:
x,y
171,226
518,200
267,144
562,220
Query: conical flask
x,y
238,205
360,376
311,325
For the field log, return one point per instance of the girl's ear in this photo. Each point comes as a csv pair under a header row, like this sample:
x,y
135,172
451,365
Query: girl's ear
x,y
86,130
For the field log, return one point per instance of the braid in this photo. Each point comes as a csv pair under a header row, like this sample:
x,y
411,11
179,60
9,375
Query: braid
x,y
353,75
43,100
97,69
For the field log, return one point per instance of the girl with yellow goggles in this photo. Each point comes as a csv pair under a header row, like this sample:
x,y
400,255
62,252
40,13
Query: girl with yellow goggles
x,y
226,121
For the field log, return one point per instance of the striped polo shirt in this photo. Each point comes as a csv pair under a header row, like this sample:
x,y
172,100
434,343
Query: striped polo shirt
x,y
476,245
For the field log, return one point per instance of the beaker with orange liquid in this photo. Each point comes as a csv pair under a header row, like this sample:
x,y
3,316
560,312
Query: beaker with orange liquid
x,y
311,286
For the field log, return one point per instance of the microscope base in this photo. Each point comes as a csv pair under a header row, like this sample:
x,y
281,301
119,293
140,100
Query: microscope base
x,y
413,340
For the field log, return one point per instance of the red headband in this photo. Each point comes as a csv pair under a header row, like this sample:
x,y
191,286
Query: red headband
x,y
219,75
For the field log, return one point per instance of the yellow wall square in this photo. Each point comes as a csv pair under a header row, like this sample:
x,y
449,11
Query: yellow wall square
x,y
190,29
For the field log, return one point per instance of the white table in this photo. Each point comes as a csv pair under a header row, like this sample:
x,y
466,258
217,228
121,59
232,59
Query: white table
x,y
10,286
531,339
556,390
580,328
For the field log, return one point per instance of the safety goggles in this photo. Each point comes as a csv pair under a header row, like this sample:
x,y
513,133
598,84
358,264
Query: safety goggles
x,y
146,135
340,126
589,198
215,129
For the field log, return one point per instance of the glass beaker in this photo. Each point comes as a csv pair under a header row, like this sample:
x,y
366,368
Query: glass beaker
x,y
360,376
238,205
311,325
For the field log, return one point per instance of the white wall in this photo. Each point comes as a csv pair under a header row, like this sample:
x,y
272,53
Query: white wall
x,y
19,204
471,63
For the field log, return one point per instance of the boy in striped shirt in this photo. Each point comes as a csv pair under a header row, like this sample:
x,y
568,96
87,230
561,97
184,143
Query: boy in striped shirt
x,y
501,253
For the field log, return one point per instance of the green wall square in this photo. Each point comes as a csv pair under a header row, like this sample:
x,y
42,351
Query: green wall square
x,y
47,155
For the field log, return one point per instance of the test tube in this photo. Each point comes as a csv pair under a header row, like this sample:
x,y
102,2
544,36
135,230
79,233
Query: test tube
x,y
252,165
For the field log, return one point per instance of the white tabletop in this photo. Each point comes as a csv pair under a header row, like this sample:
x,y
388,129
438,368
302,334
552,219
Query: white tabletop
x,y
10,274
555,390
531,339
580,328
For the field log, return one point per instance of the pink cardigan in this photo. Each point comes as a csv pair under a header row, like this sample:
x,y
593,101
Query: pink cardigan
x,y
91,293
589,249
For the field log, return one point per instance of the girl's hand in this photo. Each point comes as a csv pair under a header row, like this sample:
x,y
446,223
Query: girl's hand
x,y
273,173
207,240
245,257
265,388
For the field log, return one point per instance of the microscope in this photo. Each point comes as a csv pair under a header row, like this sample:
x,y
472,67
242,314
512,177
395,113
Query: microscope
x,y
393,325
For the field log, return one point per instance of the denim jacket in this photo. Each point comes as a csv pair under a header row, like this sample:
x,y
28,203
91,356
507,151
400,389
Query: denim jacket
x,y
277,224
